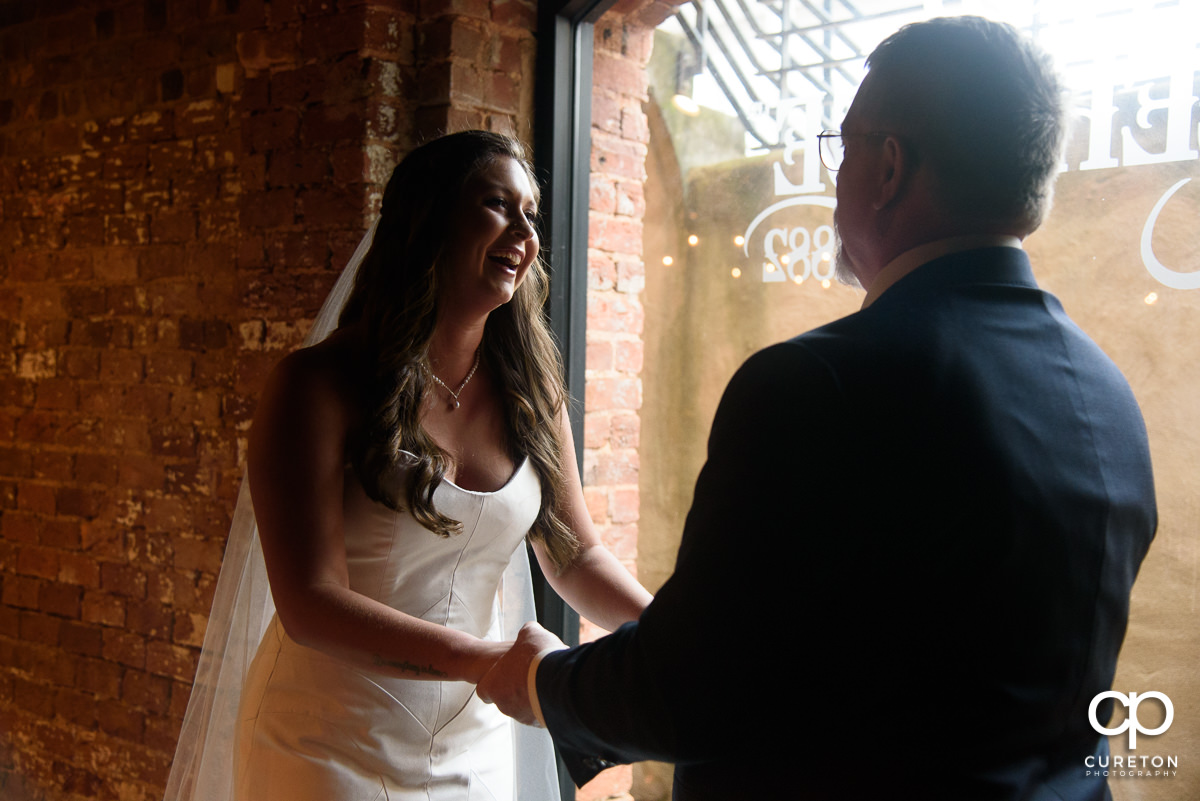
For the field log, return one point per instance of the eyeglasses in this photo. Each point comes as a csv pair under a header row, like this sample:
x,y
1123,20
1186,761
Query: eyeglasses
x,y
833,147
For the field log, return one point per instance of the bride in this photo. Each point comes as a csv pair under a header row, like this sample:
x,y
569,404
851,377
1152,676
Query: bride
x,y
396,468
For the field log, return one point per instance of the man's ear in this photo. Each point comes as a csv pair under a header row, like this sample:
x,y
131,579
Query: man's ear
x,y
895,166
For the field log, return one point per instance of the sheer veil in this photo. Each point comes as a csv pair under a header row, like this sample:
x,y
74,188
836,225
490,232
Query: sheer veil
x,y
242,608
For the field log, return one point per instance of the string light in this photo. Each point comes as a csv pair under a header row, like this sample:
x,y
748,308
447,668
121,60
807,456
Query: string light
x,y
736,272
1152,298
686,104
668,261
693,240
825,284
739,240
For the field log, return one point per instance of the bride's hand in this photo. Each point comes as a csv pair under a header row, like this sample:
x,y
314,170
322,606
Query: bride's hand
x,y
506,685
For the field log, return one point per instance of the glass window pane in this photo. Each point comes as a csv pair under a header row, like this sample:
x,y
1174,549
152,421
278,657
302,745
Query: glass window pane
x,y
711,237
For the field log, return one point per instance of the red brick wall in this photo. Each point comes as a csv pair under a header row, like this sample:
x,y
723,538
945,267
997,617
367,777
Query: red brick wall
x,y
615,279
623,39
180,181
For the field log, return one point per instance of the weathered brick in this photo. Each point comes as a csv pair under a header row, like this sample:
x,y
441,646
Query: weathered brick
x,y
123,580
192,553
619,74
201,117
324,125
114,265
326,37
170,367
60,534
173,226
118,720
271,131
624,506
100,678
173,661
75,707
614,234
20,592
151,126
103,608
82,638
147,692
34,697
618,157
38,628
75,501
34,560
130,229
271,209
171,157
606,112
602,270
629,356
615,312
298,167
124,647
626,430
467,8
77,568
515,13
53,465
95,468
600,356
62,600
149,618
612,467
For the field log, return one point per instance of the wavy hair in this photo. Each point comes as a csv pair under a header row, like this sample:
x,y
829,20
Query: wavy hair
x,y
395,296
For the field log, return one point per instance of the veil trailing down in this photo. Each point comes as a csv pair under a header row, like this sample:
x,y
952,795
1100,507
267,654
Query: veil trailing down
x,y
243,610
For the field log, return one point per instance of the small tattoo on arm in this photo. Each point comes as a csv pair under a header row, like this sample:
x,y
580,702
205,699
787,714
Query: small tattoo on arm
x,y
405,666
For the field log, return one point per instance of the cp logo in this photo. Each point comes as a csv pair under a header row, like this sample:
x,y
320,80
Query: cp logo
x,y
1131,702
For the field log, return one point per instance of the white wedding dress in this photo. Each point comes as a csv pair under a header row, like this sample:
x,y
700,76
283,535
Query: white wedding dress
x,y
283,721
314,727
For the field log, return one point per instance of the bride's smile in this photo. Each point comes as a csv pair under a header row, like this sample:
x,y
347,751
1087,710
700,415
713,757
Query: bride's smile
x,y
493,240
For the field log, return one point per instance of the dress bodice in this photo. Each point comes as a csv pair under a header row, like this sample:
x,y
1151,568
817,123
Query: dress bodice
x,y
315,727
445,580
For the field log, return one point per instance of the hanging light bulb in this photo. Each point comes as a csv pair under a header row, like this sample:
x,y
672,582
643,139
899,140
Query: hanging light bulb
x,y
687,68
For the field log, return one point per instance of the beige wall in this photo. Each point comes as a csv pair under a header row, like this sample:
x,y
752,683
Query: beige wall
x,y
1088,255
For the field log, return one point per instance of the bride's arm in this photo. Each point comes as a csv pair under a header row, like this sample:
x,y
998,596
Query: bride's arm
x,y
595,584
296,468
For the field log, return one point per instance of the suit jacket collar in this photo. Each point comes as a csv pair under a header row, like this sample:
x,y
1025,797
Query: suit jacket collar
x,y
921,255
1004,266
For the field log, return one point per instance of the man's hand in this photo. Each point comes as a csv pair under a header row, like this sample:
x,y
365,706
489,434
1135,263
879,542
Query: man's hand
x,y
506,684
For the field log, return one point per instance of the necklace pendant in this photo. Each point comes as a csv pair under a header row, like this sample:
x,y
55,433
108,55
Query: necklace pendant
x,y
455,393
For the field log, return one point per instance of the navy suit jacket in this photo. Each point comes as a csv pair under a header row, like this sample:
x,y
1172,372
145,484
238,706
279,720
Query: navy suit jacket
x,y
906,569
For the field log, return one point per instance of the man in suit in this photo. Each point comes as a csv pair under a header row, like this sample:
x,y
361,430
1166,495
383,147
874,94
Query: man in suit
x,y
907,566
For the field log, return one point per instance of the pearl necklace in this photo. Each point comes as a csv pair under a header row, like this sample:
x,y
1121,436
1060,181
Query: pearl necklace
x,y
455,393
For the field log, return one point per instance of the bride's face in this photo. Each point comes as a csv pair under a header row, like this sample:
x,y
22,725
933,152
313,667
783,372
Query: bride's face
x,y
492,240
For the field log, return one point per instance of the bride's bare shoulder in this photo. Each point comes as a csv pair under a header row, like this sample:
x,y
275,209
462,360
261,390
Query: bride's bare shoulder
x,y
328,375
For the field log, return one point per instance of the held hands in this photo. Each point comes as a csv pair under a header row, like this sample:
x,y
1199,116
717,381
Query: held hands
x,y
506,684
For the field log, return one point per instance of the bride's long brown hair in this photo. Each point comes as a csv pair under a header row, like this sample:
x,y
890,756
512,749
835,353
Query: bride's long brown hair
x,y
396,296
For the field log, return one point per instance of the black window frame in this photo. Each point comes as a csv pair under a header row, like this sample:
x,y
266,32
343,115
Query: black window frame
x,y
562,129
562,160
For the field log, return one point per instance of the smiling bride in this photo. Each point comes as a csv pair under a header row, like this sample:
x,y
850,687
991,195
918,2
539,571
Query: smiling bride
x,y
396,469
